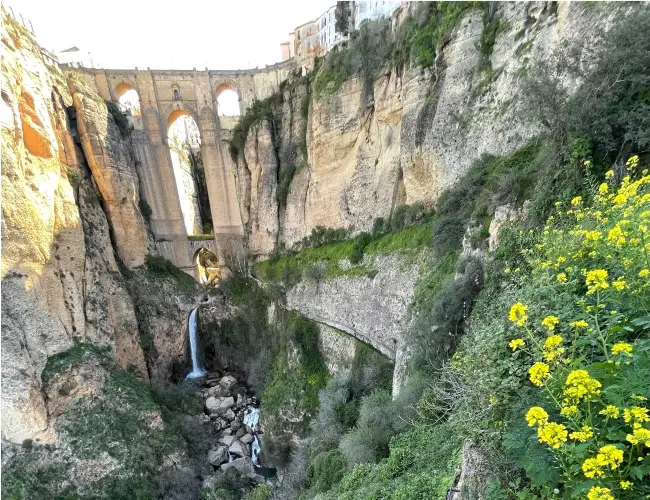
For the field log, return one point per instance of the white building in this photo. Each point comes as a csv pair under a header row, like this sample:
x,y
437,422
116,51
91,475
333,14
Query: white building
x,y
372,11
74,56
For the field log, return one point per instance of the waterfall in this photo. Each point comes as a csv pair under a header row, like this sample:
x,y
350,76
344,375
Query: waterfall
x,y
251,418
197,366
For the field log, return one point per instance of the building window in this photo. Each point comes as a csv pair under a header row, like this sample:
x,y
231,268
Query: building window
x,y
177,95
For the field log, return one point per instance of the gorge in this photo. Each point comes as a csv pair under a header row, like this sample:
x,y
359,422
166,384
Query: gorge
x,y
366,285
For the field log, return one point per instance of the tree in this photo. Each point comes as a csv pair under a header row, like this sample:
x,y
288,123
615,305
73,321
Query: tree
x,y
342,15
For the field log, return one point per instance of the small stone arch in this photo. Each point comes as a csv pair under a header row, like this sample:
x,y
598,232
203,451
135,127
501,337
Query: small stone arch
x,y
228,100
128,97
179,109
206,266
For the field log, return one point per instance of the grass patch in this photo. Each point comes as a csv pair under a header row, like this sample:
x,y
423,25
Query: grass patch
x,y
76,355
200,237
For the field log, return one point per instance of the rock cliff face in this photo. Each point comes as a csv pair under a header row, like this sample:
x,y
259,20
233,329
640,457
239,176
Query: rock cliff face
x,y
414,137
61,282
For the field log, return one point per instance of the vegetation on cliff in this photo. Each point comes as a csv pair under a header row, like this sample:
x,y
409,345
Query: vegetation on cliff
x,y
530,365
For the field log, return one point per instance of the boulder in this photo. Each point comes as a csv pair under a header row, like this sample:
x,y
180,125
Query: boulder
x,y
241,400
214,391
247,438
227,440
240,449
244,465
218,456
235,425
227,432
229,414
219,405
226,383
241,432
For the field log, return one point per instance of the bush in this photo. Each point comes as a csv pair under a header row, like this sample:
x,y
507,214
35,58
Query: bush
x,y
378,422
326,470
119,118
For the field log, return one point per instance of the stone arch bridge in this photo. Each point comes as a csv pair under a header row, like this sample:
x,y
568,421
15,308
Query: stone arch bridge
x,y
164,95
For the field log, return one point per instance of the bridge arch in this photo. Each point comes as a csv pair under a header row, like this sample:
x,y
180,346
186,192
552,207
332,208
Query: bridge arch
x,y
128,98
184,143
228,100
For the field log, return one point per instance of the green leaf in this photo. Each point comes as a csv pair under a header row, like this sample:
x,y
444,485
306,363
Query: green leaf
x,y
616,436
637,472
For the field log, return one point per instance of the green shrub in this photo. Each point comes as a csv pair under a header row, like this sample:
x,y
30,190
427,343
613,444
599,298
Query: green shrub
x,y
326,469
119,118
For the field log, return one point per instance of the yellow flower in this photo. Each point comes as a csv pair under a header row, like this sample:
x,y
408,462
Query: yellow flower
x,y
492,400
643,273
636,413
592,468
619,284
622,348
552,434
620,198
582,435
603,188
576,201
579,324
593,235
536,416
550,322
616,235
518,314
640,435
598,493
539,373
579,385
632,161
625,485
609,174
610,411
596,280
554,340
611,456
562,278
514,344
569,411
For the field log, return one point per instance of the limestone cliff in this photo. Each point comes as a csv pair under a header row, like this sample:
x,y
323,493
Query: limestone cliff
x,y
415,133
60,276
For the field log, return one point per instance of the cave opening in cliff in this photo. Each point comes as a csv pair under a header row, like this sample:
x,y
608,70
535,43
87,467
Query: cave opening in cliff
x,y
227,100
184,141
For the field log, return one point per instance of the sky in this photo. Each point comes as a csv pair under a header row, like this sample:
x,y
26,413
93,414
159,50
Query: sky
x,y
161,34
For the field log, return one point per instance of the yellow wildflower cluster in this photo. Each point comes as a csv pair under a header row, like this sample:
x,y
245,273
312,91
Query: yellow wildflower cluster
x,y
579,385
639,435
551,349
596,280
516,343
582,435
598,493
552,434
599,253
536,416
518,314
622,348
610,411
609,456
550,322
637,414
539,373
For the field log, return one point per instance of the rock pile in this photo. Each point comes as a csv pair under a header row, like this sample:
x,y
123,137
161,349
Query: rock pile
x,y
226,405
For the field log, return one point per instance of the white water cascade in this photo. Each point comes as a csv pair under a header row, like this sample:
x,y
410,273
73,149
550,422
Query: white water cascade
x,y
197,366
251,418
